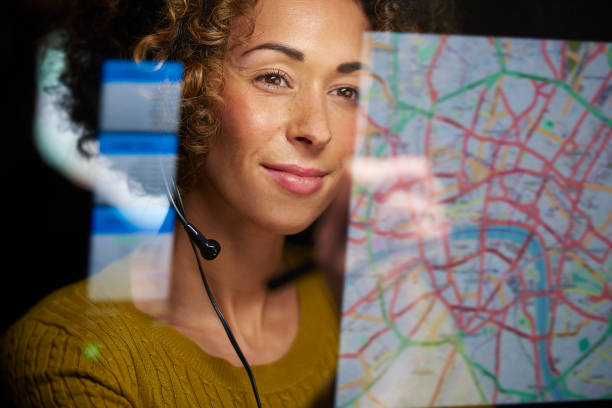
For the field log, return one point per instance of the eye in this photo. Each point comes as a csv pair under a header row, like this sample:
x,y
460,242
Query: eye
x,y
349,93
272,79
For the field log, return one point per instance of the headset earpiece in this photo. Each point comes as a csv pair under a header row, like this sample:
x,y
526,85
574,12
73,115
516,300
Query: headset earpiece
x,y
209,248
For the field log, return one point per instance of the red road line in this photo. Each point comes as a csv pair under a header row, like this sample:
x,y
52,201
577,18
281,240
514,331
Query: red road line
x,y
548,60
412,304
587,150
536,355
553,315
358,241
364,299
497,354
392,303
502,96
434,60
481,98
366,344
422,319
562,55
443,374
601,48
496,252
580,311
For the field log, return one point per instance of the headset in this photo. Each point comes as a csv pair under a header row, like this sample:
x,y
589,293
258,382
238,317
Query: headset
x,y
209,249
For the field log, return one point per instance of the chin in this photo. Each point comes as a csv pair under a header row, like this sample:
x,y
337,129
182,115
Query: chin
x,y
290,227
288,222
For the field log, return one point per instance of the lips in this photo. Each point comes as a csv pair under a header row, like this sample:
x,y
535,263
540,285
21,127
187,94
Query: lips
x,y
296,179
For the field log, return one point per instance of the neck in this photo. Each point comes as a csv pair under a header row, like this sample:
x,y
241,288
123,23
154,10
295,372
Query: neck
x,y
249,257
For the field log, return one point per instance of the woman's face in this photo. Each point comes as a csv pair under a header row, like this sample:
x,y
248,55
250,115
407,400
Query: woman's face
x,y
289,115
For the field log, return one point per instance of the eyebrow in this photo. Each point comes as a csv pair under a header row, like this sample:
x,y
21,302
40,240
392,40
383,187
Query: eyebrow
x,y
290,52
349,67
297,55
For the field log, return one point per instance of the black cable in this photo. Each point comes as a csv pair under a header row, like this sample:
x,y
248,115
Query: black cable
x,y
229,333
177,203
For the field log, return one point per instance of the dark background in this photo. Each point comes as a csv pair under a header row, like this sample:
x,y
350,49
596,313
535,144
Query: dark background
x,y
48,217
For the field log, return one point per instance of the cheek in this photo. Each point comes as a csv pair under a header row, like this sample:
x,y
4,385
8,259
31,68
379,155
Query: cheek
x,y
344,131
248,120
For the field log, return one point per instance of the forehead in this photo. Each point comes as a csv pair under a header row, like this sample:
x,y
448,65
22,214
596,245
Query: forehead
x,y
324,28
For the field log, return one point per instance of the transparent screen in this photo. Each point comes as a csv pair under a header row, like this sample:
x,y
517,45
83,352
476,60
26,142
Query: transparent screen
x,y
479,262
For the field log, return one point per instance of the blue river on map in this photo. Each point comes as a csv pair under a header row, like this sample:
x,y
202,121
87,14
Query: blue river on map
x,y
518,236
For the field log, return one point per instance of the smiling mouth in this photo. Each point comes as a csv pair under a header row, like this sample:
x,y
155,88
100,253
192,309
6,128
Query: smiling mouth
x,y
296,179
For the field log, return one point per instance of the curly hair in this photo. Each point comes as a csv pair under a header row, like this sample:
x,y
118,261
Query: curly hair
x,y
196,33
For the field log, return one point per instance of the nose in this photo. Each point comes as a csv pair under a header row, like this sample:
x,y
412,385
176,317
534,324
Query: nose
x,y
309,120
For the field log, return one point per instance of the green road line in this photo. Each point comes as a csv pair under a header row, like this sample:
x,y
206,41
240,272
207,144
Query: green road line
x,y
526,395
571,393
403,345
577,362
425,54
377,378
381,291
492,78
383,311
369,243
500,54
467,360
405,120
609,54
584,282
565,86
586,276
360,189
368,231
416,109
380,150
394,65
489,79
582,397
583,290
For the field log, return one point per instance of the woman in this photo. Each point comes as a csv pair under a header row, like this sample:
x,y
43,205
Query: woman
x,y
270,99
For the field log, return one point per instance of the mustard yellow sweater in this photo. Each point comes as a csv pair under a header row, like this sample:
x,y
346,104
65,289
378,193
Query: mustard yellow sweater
x,y
68,351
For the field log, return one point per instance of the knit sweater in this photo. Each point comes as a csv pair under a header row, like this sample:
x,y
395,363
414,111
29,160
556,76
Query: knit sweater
x,y
69,351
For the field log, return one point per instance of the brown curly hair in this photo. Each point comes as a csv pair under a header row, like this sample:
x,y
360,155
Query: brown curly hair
x,y
196,33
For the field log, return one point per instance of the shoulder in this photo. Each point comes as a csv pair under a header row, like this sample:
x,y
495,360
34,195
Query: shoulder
x,y
63,352
72,312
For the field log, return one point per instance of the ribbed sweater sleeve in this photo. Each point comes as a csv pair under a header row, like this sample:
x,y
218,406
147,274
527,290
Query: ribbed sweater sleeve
x,y
68,351
51,356
46,364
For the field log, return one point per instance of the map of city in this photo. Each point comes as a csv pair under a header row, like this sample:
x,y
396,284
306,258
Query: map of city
x,y
478,266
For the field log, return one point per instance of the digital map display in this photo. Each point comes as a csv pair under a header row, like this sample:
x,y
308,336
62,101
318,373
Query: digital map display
x,y
478,267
